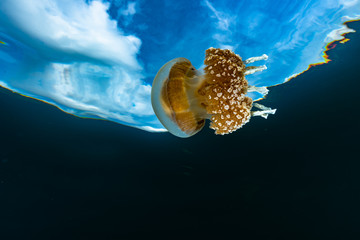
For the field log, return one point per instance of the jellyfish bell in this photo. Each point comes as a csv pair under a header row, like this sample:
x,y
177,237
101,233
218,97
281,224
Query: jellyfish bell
x,y
183,97
173,101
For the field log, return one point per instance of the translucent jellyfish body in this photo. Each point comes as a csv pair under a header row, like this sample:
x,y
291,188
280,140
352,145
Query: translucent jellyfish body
x,y
183,97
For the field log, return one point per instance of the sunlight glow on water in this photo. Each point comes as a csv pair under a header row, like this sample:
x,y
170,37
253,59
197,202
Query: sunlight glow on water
x,y
98,59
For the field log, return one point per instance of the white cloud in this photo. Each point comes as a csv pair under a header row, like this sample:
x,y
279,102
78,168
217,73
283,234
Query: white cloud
x,y
74,27
130,10
227,46
87,66
349,3
224,21
337,34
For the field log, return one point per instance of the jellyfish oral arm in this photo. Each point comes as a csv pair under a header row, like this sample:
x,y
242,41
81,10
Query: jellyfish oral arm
x,y
264,111
254,59
263,90
252,69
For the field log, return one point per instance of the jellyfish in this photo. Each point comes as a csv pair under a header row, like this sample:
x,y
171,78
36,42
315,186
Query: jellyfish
x,y
184,97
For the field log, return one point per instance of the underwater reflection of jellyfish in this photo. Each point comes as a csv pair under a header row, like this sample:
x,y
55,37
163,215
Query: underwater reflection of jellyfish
x,y
183,97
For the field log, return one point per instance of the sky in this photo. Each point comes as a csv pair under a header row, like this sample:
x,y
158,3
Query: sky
x,y
97,59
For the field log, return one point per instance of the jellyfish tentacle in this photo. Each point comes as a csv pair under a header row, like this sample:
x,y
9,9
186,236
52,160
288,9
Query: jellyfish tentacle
x,y
263,90
252,69
254,59
264,111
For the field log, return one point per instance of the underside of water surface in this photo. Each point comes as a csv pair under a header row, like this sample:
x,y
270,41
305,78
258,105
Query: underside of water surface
x,y
97,59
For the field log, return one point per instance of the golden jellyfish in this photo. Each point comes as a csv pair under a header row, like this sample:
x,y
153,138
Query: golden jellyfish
x,y
184,97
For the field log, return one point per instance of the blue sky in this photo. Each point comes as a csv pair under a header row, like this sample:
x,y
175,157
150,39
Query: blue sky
x,y
98,58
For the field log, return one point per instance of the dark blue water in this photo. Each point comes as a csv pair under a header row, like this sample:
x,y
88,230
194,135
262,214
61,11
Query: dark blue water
x,y
293,176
